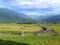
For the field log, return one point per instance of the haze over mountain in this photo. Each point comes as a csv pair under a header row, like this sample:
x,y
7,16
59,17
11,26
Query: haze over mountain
x,y
49,18
52,19
9,16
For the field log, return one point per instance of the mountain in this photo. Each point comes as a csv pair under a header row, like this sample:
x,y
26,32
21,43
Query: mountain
x,y
50,18
9,16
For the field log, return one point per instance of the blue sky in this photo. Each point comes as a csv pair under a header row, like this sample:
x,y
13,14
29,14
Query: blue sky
x,y
32,7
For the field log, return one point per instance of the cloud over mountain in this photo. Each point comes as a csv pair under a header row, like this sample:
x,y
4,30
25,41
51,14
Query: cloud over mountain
x,y
32,7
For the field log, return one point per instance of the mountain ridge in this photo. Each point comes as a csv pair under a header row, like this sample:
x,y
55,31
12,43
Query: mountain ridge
x,y
49,18
9,16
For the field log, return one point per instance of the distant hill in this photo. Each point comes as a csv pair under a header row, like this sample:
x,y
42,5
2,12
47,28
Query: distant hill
x,y
9,16
48,18
52,19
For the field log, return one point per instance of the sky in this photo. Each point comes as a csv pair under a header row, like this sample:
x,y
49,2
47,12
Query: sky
x,y
32,7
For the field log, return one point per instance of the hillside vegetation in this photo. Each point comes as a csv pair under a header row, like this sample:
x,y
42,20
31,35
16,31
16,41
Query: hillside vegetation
x,y
9,16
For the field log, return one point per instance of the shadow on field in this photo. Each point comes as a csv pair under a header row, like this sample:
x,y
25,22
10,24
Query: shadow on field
x,y
4,42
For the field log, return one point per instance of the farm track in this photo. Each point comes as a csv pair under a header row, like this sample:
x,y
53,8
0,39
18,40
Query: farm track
x,y
5,35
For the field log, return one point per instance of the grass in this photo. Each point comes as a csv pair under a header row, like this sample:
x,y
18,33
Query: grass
x,y
34,40
28,40
56,27
27,27
18,27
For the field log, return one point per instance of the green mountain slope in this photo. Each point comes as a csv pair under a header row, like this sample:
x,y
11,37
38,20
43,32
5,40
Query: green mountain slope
x,y
50,18
9,16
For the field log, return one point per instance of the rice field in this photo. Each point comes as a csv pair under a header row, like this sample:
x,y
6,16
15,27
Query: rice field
x,y
19,27
56,27
27,27
28,40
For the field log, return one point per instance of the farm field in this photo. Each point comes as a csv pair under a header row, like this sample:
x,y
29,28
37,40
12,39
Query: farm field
x,y
19,27
56,27
27,27
28,40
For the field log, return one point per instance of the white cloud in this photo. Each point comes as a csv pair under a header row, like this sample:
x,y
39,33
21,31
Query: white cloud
x,y
33,13
38,3
34,3
25,3
2,6
54,4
